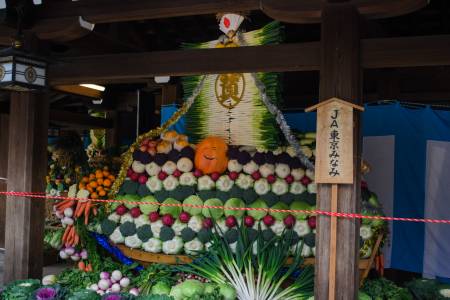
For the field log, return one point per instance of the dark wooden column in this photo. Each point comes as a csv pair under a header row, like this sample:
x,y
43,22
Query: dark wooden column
x,y
4,133
27,164
340,76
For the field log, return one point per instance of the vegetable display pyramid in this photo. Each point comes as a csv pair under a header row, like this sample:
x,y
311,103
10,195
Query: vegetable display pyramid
x,y
171,171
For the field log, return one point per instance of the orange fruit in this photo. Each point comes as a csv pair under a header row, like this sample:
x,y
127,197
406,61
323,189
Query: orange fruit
x,y
105,173
91,176
111,177
102,193
98,174
100,188
100,181
94,195
85,179
91,190
107,182
93,184
81,186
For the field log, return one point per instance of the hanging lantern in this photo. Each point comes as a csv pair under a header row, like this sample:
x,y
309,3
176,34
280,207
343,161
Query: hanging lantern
x,y
20,71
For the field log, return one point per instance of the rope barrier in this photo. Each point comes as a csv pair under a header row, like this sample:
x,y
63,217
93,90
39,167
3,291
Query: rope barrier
x,y
308,212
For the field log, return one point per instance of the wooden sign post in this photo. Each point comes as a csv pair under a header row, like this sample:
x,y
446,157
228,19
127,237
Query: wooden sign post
x,y
334,161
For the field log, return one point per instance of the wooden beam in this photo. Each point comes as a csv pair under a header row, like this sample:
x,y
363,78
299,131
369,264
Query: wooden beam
x,y
340,77
27,165
79,90
375,53
79,120
284,57
292,11
406,52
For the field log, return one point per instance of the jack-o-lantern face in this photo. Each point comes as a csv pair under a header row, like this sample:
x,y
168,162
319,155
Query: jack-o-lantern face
x,y
211,155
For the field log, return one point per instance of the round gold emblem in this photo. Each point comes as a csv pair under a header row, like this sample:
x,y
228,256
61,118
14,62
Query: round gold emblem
x,y
230,89
30,74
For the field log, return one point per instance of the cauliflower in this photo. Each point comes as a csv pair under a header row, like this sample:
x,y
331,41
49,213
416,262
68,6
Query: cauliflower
x,y
312,188
116,237
133,241
244,181
156,228
222,228
188,179
184,164
141,220
152,169
282,170
234,166
170,183
178,226
205,183
138,167
153,245
261,186
154,184
280,187
193,247
224,183
195,223
126,218
173,246
114,217
298,173
169,167
266,170
297,188
278,227
250,167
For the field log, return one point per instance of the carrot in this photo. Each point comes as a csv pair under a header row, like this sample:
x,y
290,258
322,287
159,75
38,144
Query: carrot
x,y
94,211
66,232
382,264
76,239
80,209
86,212
81,265
89,268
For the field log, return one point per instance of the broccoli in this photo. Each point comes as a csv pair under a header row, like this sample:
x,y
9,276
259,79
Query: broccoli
x,y
108,226
130,187
249,195
143,190
205,195
292,236
268,234
270,198
287,198
187,234
310,239
204,235
161,195
166,233
236,192
252,234
127,229
224,196
231,236
144,232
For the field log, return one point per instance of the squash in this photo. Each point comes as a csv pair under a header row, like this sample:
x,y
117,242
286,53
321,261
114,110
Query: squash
x,y
211,155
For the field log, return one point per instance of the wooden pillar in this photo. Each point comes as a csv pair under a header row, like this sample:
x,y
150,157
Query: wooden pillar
x,y
340,76
27,164
4,133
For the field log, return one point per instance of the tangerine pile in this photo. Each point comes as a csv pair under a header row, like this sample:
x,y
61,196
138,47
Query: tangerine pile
x,y
98,183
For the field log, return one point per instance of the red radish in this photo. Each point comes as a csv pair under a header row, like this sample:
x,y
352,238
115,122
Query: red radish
x,y
256,175
312,222
271,178
184,217
198,173
154,216
143,148
233,175
135,212
142,179
289,179
129,172
121,210
162,175
215,176
176,173
230,221
249,221
168,220
207,223
134,176
305,180
289,221
268,220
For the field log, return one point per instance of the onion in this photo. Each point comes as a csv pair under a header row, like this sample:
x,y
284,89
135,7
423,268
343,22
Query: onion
x,y
116,275
59,215
100,292
75,257
63,254
68,212
125,282
70,250
94,287
134,291
84,254
103,284
115,288
104,275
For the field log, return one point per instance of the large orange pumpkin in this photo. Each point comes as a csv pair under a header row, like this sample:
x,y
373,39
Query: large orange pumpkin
x,y
211,155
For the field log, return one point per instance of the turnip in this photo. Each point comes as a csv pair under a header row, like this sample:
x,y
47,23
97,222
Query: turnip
x,y
75,257
49,280
94,287
67,221
116,275
104,275
124,282
59,215
103,284
63,254
100,292
134,291
68,212
115,288
69,250
84,254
